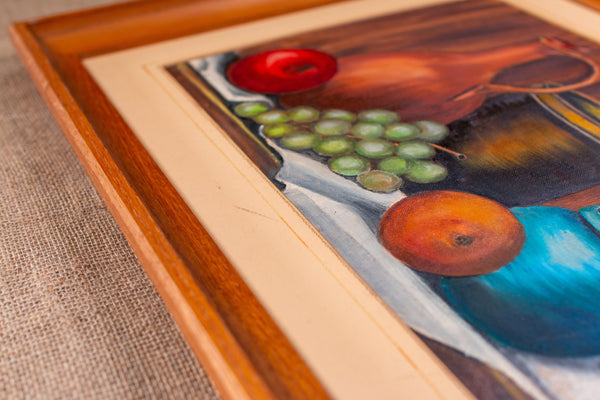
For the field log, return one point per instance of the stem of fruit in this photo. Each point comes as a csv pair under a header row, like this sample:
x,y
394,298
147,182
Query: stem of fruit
x,y
459,156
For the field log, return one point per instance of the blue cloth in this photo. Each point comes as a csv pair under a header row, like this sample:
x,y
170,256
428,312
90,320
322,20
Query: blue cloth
x,y
547,300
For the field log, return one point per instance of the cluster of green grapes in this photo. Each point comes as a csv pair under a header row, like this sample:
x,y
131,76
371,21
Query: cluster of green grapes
x,y
373,145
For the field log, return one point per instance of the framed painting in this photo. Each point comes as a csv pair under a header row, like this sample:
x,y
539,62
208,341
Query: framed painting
x,y
358,199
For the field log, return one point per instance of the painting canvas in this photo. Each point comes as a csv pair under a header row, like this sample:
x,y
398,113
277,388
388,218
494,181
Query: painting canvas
x,y
451,156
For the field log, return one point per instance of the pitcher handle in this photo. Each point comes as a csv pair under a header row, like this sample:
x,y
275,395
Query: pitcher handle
x,y
591,78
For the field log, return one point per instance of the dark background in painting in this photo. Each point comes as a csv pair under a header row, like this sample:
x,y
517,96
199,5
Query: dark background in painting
x,y
454,28
470,27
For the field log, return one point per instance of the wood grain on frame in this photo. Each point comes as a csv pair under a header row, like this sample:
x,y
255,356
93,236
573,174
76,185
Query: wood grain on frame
x,y
591,3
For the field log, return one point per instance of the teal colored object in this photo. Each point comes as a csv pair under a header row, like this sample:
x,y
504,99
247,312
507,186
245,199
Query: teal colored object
x,y
546,301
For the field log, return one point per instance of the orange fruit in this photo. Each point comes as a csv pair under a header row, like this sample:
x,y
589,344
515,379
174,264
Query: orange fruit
x,y
451,233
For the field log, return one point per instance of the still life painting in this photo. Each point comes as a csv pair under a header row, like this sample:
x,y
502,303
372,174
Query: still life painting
x,y
451,156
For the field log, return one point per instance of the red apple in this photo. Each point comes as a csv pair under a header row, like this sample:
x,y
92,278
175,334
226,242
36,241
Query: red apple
x,y
451,233
282,71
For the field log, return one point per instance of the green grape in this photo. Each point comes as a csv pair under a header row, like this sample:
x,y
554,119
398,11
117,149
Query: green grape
x,y
278,130
332,127
414,150
250,109
394,165
300,140
426,172
379,181
432,131
349,165
367,130
272,117
303,114
374,148
334,145
400,131
339,114
378,116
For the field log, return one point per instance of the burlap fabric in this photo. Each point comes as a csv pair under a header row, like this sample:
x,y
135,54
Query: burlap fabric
x,y
78,316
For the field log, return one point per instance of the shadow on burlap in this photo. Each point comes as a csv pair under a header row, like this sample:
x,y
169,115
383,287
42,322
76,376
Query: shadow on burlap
x,y
78,316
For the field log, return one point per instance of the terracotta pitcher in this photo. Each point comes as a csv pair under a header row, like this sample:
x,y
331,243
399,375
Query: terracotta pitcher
x,y
439,86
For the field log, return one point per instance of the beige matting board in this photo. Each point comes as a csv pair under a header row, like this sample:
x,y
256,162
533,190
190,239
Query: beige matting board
x,y
351,341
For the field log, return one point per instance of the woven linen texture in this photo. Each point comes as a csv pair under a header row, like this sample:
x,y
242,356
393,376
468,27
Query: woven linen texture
x,y
79,318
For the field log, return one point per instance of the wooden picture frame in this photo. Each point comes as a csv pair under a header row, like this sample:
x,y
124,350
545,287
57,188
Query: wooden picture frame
x,y
243,348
